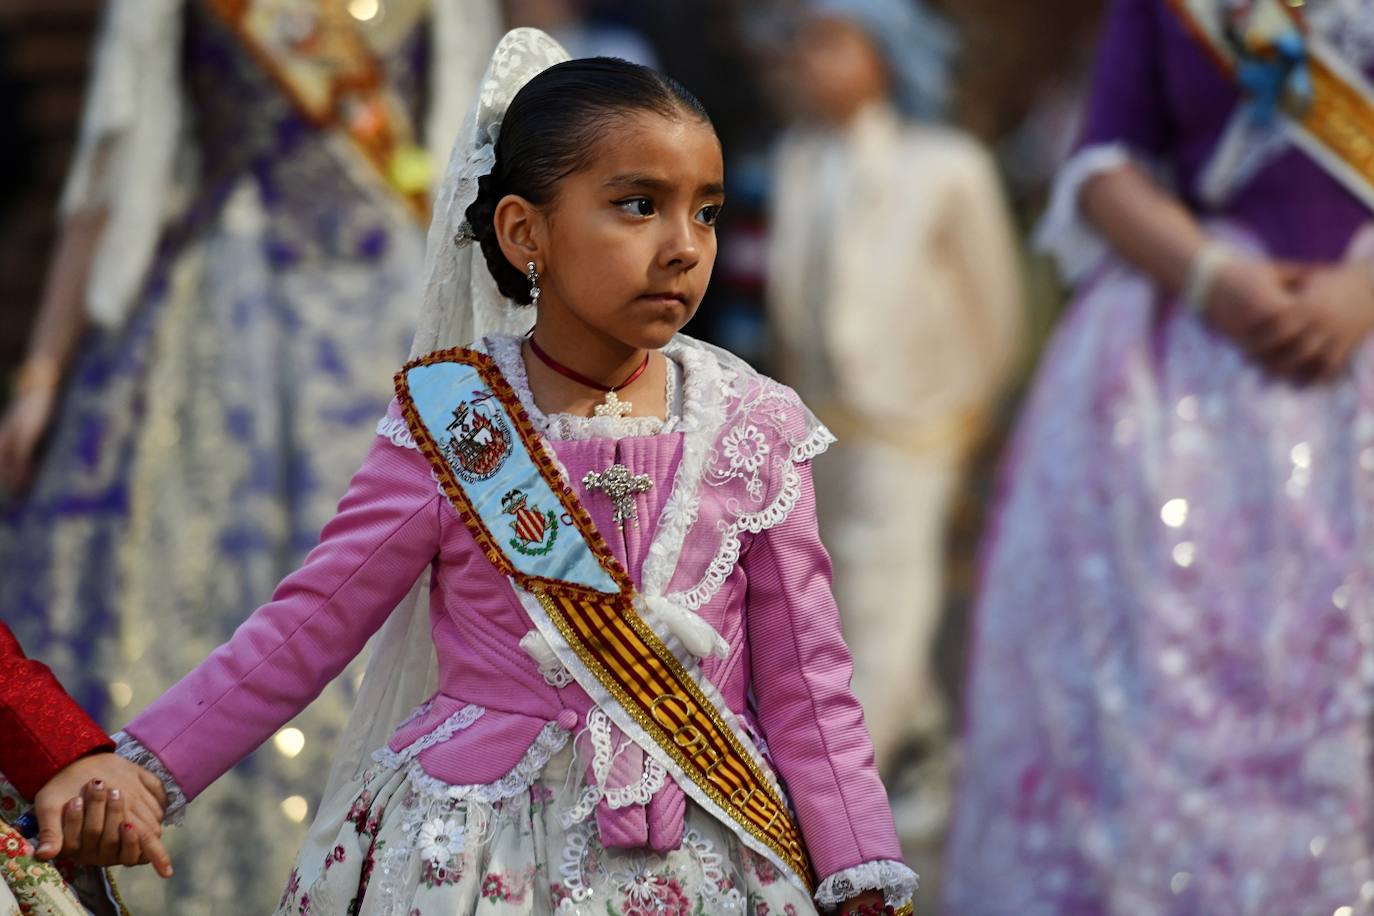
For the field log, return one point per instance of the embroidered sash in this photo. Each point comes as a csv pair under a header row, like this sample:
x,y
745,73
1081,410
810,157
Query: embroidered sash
x,y
506,488
317,55
1334,124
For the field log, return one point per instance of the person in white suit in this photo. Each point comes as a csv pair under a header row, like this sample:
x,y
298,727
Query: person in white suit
x,y
894,295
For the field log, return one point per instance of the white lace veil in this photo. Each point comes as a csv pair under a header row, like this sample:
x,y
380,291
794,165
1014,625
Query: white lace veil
x,y
461,304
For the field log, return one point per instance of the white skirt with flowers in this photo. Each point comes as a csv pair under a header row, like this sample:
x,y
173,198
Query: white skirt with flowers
x,y
404,848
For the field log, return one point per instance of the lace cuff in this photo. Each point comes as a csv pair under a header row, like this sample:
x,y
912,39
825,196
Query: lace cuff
x,y
1063,233
894,879
129,747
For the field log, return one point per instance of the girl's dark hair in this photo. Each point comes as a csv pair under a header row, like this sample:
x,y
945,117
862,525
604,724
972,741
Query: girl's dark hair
x,y
550,131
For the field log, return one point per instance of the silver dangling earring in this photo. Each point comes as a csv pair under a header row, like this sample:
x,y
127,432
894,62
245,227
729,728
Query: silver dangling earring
x,y
533,275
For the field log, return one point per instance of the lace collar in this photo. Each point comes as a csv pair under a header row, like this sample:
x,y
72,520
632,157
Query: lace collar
x,y
505,349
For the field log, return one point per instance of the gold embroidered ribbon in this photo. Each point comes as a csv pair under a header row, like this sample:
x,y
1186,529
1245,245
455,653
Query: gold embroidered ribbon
x,y
316,53
604,629
1337,127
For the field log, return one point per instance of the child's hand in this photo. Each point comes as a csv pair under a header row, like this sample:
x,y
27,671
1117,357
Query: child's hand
x,y
79,826
98,830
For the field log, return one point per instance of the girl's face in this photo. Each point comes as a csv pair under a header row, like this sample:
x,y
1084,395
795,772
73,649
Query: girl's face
x,y
625,249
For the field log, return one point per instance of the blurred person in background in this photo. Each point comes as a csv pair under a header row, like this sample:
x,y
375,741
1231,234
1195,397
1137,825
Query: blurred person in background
x,y
1169,695
236,281
895,299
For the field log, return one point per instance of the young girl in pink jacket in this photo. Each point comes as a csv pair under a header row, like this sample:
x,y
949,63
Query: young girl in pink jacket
x,y
610,677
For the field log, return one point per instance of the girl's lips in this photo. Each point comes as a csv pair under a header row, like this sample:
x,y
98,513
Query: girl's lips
x,y
665,297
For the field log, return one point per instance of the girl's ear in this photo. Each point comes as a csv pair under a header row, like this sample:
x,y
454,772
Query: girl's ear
x,y
518,225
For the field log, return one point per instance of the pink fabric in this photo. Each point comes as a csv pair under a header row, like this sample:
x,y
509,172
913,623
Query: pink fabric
x,y
775,608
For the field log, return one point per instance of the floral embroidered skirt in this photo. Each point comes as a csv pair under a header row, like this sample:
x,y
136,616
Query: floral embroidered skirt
x,y
56,888
402,849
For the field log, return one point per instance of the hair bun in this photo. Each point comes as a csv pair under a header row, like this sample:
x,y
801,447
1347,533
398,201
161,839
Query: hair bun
x,y
481,215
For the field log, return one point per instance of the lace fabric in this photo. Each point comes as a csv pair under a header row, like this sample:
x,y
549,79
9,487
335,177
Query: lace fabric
x,y
897,882
524,774
506,351
460,720
132,750
395,430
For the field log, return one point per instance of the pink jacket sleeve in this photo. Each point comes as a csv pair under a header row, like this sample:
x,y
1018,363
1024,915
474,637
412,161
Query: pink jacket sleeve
x,y
800,671
386,532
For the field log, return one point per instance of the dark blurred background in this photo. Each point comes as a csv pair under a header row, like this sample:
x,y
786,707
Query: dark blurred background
x,y
1018,79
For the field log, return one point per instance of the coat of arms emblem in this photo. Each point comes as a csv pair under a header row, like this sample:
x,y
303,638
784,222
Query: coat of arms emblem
x,y
535,529
480,439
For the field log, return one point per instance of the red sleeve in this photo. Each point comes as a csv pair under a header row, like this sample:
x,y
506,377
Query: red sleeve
x,y
41,727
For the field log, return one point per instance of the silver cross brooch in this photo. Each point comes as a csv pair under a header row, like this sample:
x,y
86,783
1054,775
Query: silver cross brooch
x,y
622,487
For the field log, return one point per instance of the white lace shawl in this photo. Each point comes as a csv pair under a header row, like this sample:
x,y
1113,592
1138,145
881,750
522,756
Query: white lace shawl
x,y
135,159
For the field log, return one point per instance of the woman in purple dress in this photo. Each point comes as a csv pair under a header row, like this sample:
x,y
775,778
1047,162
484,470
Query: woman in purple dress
x,y
1169,705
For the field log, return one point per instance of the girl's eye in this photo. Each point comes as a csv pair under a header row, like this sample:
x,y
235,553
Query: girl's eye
x,y
709,214
637,206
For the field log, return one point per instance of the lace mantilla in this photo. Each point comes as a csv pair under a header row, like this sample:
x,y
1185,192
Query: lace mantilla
x,y
897,882
132,750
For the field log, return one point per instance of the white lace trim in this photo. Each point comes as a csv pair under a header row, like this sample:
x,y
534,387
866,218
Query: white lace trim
x,y
132,750
713,870
506,351
550,668
642,791
523,775
897,882
460,720
395,429
705,389
754,522
1063,233
604,752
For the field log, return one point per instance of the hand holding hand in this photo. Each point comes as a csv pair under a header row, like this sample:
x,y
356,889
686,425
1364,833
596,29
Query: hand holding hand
x,y
1255,304
103,810
1337,302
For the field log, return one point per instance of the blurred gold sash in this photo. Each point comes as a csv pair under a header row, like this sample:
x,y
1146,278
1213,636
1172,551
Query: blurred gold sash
x,y
316,53
1335,126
